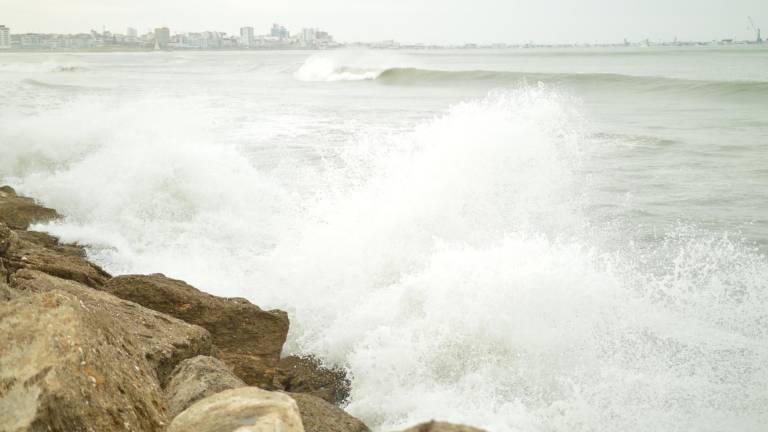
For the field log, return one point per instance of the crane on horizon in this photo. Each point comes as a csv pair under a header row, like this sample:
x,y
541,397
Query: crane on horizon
x,y
755,29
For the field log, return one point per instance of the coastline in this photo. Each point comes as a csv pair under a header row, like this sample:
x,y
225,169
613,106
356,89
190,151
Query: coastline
x,y
81,349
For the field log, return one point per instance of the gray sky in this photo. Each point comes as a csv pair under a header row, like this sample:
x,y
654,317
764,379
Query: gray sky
x,y
430,21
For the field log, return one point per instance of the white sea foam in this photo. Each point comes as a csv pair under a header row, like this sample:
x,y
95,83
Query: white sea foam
x,y
349,65
452,269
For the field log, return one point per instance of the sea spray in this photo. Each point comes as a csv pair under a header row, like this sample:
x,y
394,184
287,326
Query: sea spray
x,y
455,268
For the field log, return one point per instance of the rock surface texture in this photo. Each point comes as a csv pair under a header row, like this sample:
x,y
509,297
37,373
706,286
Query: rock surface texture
x,y
66,365
306,375
162,341
197,378
436,426
318,415
19,212
245,409
249,339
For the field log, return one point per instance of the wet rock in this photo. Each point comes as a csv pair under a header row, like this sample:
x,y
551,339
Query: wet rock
x,y
164,341
245,409
197,378
50,242
305,374
62,263
436,426
19,212
249,339
66,365
318,415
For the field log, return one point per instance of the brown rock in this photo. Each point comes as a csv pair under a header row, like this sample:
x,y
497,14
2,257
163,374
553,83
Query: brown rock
x,y
19,212
163,340
39,251
50,242
66,365
245,409
307,375
317,415
249,339
197,378
6,292
436,426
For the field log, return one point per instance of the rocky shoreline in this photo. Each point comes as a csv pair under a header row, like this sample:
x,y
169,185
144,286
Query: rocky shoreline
x,y
81,350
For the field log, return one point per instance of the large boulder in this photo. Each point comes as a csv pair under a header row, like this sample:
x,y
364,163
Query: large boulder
x,y
197,378
317,415
245,409
37,251
67,365
19,212
249,339
162,340
436,426
306,374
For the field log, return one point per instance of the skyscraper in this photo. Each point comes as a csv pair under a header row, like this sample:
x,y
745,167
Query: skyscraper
x,y
246,37
162,37
5,37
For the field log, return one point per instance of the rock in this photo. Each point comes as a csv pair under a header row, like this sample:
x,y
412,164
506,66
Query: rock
x,y
436,426
245,409
7,238
50,242
60,261
197,378
66,365
249,339
164,341
307,375
6,292
317,415
19,212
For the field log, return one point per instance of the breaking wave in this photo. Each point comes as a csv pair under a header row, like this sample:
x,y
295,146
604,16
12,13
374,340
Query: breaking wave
x,y
452,269
330,69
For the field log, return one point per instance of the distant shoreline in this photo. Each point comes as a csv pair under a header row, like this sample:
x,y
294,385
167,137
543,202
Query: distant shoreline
x,y
385,48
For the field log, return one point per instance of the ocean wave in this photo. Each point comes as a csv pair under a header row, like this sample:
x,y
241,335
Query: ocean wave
x,y
450,268
330,69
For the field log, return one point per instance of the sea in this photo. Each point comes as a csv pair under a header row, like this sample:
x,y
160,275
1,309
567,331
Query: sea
x,y
559,240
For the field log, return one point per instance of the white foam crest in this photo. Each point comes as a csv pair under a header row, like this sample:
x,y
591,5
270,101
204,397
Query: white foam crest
x,y
349,65
140,186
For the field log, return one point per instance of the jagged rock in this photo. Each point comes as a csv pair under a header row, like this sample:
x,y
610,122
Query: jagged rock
x,y
307,375
50,242
163,340
245,409
197,378
317,415
67,365
249,339
63,262
19,212
436,426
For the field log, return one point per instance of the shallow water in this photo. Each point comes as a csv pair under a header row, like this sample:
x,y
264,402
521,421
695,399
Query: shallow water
x,y
532,240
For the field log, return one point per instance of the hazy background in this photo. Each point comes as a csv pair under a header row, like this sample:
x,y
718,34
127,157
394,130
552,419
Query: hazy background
x,y
429,21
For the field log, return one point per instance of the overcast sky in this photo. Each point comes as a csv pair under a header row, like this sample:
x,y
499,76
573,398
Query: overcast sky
x,y
430,21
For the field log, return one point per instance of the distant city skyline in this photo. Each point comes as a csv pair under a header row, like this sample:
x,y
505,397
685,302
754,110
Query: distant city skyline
x,y
428,21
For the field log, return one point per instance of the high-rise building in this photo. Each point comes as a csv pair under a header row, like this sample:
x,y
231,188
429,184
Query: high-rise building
x,y
5,37
279,32
131,32
162,37
246,37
